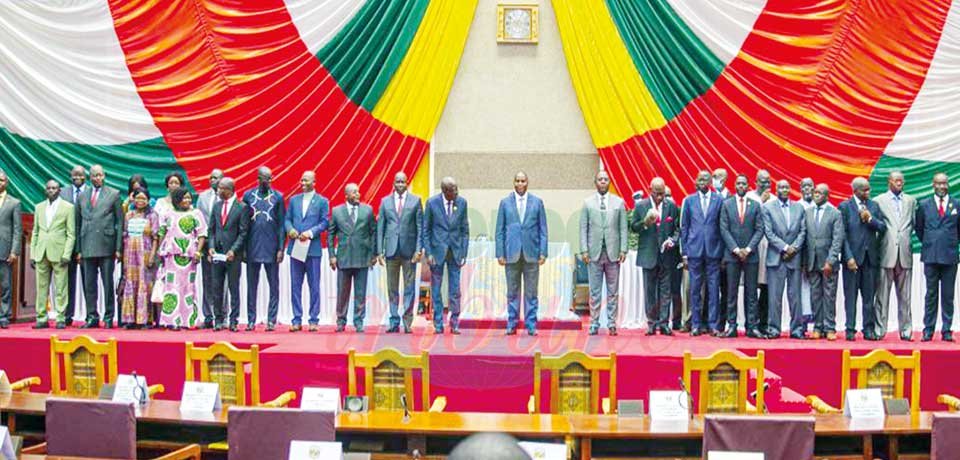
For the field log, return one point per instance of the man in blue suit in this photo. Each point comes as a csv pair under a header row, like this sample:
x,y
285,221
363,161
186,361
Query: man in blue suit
x,y
522,249
863,229
702,248
938,229
446,230
305,220
399,248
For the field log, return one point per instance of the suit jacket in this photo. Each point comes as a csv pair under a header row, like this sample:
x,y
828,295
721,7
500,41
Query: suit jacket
x,y
699,234
315,220
824,241
399,235
938,236
528,237
11,227
232,235
205,202
896,243
100,227
862,239
597,225
651,239
66,194
442,233
781,233
352,243
736,235
56,241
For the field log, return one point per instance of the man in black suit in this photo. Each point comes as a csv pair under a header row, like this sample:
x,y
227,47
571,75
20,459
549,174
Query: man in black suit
x,y
99,222
938,229
71,194
863,227
741,227
228,225
11,233
657,223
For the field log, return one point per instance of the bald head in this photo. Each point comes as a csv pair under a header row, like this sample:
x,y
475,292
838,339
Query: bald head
x,y
352,193
861,188
400,183
895,182
78,176
226,188
658,190
488,446
820,194
448,186
97,176
264,177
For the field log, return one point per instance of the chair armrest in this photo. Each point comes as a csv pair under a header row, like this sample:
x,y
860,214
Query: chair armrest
x,y
820,406
39,449
952,402
530,407
218,446
25,384
282,401
439,404
751,409
605,406
154,390
191,452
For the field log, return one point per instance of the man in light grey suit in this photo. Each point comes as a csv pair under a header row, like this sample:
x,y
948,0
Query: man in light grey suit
x,y
350,241
896,256
10,236
784,226
399,247
821,261
205,205
71,194
603,247
100,241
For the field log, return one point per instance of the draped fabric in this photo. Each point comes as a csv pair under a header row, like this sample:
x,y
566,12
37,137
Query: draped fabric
x,y
815,88
155,86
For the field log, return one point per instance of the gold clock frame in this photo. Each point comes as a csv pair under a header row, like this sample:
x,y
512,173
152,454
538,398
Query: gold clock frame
x,y
534,22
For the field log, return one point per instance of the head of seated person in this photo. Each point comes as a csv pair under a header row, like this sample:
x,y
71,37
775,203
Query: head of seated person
x,y
488,446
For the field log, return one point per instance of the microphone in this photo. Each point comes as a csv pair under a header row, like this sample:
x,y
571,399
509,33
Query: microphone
x,y
139,391
683,388
406,412
753,396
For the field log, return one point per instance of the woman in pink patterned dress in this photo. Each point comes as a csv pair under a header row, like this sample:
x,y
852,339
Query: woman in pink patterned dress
x,y
183,232
139,252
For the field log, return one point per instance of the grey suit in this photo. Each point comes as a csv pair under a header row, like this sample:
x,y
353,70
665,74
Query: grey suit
x,y
205,204
10,236
100,236
352,244
603,237
71,195
896,260
824,241
398,241
781,233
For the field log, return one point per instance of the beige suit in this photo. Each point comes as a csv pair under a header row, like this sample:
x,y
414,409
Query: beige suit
x,y
50,248
896,261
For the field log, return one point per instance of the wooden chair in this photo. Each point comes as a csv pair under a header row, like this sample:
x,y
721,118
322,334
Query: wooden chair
x,y
87,366
574,383
22,385
224,364
389,374
877,369
723,380
952,402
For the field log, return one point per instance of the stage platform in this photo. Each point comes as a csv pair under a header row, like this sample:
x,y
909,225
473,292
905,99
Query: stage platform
x,y
482,370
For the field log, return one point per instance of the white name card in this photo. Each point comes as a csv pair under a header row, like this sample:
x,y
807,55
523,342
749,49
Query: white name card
x,y
731,455
310,450
544,451
200,397
864,404
6,445
669,405
128,389
5,383
320,399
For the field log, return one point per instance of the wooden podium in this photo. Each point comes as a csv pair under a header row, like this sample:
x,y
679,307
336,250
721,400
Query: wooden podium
x,y
24,285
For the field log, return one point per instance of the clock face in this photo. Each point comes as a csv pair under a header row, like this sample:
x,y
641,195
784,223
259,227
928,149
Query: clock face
x,y
516,23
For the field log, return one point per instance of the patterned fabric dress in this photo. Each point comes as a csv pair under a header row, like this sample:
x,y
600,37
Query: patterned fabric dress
x,y
181,231
138,233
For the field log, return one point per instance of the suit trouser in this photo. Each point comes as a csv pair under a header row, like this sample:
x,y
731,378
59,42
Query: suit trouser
x,y
704,271
44,269
530,272
104,267
722,303
72,269
749,272
657,295
394,266
604,271
453,290
900,277
229,271
676,290
777,277
864,281
6,291
273,283
357,277
207,278
311,269
823,300
941,279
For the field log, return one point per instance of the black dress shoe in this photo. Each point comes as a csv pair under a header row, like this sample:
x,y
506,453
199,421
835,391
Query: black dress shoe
x,y
359,329
217,327
927,336
533,332
341,327
271,327
695,332
407,330
715,332
651,330
108,324
851,336
60,325
207,325
90,325
4,326
906,337
234,328
511,332
684,329
612,331
772,335
947,336
593,330
664,330
455,330
393,330
798,336
729,334
250,327
755,334
41,326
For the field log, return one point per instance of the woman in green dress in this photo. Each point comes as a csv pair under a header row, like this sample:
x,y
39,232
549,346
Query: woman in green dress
x,y
182,233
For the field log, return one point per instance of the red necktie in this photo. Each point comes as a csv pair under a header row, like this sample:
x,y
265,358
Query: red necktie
x,y
741,210
940,209
400,206
96,193
223,215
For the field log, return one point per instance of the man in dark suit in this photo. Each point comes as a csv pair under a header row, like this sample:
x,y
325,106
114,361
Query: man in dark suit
x,y
399,247
446,232
702,249
264,245
863,229
656,222
821,257
938,229
741,227
10,236
71,194
205,205
350,241
521,247
305,221
229,223
100,225
784,226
